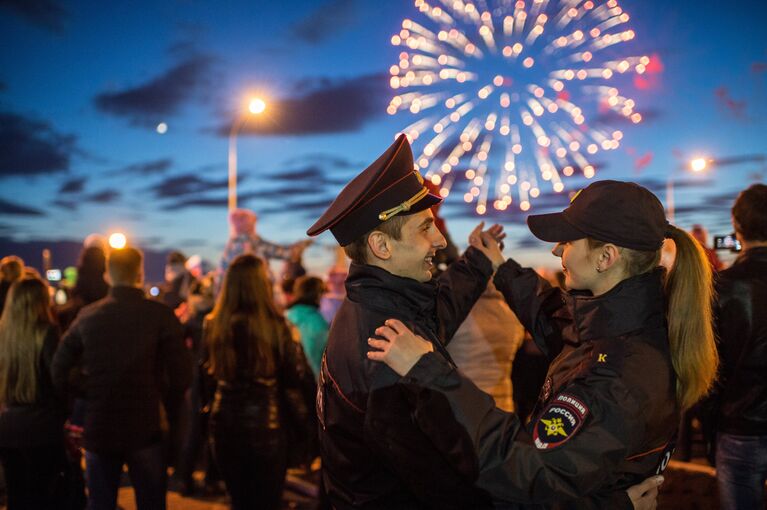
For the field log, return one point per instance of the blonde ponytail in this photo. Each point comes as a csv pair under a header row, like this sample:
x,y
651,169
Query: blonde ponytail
x,y
689,295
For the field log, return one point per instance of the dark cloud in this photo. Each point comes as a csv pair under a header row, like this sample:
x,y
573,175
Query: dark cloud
x,y
47,14
187,184
289,198
219,202
325,21
14,209
145,168
106,196
306,174
325,160
718,204
192,243
149,241
32,147
160,97
613,118
70,205
323,106
309,209
659,186
75,185
312,175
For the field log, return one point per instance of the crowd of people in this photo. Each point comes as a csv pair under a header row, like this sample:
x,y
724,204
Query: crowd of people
x,y
202,372
569,390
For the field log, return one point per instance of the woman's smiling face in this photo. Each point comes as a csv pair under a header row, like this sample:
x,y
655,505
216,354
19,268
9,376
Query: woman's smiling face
x,y
579,263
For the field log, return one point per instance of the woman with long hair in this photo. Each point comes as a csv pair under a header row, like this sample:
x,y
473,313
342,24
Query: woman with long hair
x,y
631,347
31,419
261,379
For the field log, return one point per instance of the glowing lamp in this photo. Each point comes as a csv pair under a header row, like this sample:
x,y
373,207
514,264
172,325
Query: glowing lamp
x,y
117,240
698,164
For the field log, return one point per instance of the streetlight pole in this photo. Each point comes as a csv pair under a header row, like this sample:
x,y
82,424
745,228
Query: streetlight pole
x,y
238,122
670,199
697,165
255,107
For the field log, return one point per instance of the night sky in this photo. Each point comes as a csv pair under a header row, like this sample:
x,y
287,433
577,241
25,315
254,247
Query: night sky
x,y
84,85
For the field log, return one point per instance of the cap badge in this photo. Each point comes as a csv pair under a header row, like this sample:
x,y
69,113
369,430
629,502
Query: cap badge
x,y
407,204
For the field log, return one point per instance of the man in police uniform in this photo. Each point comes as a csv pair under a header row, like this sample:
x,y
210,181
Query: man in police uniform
x,y
373,454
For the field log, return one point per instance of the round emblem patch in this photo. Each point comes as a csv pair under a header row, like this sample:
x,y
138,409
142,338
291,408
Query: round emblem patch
x,y
559,421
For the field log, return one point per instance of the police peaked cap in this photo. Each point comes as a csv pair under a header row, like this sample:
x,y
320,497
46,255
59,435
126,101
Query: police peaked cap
x,y
388,187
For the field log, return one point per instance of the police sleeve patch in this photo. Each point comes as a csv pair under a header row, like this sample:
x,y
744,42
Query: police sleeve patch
x,y
559,421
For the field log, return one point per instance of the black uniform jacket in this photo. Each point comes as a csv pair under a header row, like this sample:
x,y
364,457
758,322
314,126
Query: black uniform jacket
x,y
606,415
131,353
741,322
373,453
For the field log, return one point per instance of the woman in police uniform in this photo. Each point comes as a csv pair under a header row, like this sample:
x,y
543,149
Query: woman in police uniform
x,y
631,347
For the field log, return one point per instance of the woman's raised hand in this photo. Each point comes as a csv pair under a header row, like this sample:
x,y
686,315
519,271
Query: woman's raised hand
x,y
400,349
489,242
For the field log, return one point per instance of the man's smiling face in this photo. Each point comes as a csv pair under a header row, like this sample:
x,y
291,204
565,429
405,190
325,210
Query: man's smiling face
x,y
413,253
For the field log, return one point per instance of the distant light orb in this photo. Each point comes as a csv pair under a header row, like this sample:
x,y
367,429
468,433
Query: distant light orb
x,y
256,105
117,240
162,128
698,164
154,291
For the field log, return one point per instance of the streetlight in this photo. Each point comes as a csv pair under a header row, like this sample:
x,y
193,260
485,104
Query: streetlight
x,y
256,106
698,164
701,164
117,240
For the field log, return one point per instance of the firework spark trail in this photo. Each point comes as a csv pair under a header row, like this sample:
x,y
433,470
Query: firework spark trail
x,y
501,90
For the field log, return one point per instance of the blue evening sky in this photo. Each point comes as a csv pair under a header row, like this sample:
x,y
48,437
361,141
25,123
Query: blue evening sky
x,y
84,84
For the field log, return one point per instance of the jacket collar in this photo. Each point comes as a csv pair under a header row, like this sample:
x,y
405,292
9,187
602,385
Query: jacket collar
x,y
758,254
124,292
634,304
390,293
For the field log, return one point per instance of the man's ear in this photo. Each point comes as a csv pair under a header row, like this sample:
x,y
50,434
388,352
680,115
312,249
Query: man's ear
x,y
609,256
380,245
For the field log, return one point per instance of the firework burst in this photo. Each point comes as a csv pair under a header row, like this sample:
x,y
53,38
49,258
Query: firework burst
x,y
512,94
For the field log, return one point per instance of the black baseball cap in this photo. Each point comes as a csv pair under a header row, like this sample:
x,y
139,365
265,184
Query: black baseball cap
x,y
389,186
623,213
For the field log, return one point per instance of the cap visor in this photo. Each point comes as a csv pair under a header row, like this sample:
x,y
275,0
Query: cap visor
x,y
553,228
427,201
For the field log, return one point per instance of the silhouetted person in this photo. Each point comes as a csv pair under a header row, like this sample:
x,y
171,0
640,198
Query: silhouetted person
x,y
264,388
131,350
11,270
304,313
90,285
31,418
741,324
